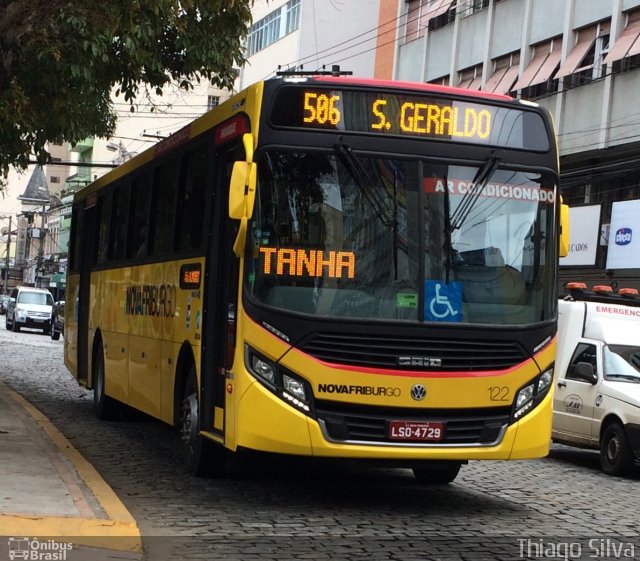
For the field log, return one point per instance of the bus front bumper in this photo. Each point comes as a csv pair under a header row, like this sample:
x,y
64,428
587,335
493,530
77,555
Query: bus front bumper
x,y
268,424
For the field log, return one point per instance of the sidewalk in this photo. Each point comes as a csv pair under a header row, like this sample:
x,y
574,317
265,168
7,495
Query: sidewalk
x,y
52,501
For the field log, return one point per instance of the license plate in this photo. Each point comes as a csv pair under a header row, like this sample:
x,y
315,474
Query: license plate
x,y
416,431
37,320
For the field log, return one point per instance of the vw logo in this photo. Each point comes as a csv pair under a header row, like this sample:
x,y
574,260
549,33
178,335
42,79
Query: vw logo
x,y
418,392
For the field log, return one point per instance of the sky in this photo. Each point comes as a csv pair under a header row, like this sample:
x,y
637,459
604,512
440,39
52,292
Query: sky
x,y
9,203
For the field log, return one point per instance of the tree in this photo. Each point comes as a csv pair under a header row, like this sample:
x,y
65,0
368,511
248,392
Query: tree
x,y
60,61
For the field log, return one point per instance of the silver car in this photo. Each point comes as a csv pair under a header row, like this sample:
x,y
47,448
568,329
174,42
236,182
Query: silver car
x,y
29,307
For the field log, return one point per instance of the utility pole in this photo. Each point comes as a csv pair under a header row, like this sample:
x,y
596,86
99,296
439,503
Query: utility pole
x,y
6,263
40,251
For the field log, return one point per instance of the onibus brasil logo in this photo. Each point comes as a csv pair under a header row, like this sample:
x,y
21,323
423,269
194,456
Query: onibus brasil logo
x,y
38,550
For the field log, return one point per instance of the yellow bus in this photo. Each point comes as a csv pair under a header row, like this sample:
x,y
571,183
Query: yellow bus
x,y
332,267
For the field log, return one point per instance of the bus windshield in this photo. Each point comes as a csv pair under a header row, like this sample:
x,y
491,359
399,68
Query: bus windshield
x,y
337,234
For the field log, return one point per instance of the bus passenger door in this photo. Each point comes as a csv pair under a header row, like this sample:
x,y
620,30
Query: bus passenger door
x,y
87,248
221,293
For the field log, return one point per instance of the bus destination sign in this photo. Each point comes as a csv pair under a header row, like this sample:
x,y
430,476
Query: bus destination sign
x,y
415,115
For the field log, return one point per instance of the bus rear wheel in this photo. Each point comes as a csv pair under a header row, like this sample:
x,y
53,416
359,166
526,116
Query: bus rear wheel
x,y
103,405
437,473
201,456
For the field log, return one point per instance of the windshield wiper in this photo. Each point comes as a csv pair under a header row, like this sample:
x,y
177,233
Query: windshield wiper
x,y
474,191
367,186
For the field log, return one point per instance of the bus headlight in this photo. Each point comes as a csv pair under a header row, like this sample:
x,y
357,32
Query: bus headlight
x,y
294,387
286,385
532,394
262,368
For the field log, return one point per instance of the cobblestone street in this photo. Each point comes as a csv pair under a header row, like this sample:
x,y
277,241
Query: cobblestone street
x,y
292,509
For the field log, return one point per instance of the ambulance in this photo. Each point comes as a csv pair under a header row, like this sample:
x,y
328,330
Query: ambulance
x,y
597,375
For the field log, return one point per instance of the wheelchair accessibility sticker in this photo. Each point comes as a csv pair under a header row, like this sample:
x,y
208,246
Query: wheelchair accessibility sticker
x,y
442,301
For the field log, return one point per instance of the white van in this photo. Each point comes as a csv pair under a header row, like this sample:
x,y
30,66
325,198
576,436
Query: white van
x,y
597,395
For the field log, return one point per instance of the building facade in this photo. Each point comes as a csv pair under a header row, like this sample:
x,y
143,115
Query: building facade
x,y
578,58
307,35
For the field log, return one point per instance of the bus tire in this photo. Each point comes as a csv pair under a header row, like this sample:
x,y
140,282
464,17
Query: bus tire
x,y
616,456
201,456
103,405
442,474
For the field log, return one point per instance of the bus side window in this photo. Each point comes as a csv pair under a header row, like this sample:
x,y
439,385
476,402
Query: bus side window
x,y
191,199
104,221
76,237
119,222
139,216
163,205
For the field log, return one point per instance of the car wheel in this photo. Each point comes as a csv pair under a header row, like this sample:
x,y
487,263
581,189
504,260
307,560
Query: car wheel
x,y
55,334
616,456
104,406
15,327
6,323
438,474
202,457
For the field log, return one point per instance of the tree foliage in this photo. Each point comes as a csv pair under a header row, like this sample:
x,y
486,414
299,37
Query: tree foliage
x,y
60,61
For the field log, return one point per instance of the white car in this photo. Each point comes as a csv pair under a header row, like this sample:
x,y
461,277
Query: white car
x,y
597,394
29,307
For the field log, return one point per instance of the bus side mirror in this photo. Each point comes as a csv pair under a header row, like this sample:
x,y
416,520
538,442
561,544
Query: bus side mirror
x,y
563,250
242,188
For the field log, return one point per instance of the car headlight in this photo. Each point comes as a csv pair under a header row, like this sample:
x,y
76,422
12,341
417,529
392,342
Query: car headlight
x,y
21,313
532,394
286,385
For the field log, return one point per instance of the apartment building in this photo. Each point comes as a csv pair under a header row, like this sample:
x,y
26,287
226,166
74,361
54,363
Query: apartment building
x,y
578,58
307,35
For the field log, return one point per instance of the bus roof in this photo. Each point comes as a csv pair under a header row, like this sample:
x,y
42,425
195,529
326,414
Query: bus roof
x,y
419,86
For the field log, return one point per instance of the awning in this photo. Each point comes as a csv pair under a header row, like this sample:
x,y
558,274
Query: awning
x,y
533,68
504,77
548,68
438,8
586,38
468,82
507,80
475,83
495,79
58,279
628,44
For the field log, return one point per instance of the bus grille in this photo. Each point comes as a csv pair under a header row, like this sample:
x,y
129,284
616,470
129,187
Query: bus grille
x,y
385,352
371,424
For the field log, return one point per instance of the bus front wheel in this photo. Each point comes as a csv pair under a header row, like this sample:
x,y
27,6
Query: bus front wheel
x,y
440,473
202,457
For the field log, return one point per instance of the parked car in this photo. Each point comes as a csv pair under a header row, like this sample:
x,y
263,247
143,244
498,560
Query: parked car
x,y
4,301
57,320
29,307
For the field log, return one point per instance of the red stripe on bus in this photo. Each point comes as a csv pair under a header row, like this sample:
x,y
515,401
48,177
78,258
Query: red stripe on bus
x,y
396,85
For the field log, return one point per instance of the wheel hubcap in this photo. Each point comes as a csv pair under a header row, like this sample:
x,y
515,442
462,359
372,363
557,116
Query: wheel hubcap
x,y
189,424
613,449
